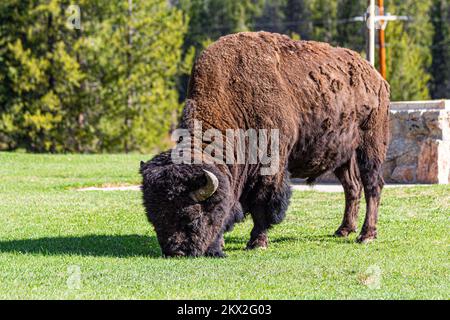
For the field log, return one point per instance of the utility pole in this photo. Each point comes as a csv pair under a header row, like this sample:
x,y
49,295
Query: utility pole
x,y
371,49
376,18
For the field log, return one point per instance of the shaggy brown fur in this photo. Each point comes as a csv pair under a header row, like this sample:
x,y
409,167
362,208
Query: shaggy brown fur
x,y
331,107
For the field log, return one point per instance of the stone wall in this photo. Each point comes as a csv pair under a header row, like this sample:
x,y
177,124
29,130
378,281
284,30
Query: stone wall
x,y
419,150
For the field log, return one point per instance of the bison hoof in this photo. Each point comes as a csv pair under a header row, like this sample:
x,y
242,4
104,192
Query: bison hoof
x,y
344,232
366,238
260,243
218,254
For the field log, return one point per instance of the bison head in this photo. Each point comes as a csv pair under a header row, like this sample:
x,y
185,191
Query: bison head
x,y
187,205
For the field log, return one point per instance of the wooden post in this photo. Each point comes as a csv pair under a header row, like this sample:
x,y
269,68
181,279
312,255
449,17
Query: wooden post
x,y
382,42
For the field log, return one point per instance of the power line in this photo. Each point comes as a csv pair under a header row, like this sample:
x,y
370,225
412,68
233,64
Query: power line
x,y
323,23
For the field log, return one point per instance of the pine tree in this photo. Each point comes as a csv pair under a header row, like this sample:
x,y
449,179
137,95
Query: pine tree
x,y
272,17
440,68
207,21
351,34
41,74
211,19
324,19
408,50
139,52
108,86
298,19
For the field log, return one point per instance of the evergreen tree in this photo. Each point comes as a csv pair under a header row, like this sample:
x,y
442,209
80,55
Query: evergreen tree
x,y
108,86
207,21
211,19
139,53
272,17
40,75
298,19
440,68
351,34
324,20
408,50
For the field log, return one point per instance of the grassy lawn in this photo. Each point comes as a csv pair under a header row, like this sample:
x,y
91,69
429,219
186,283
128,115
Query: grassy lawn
x,y
60,243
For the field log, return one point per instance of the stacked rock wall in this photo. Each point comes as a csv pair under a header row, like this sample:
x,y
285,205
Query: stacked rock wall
x,y
419,150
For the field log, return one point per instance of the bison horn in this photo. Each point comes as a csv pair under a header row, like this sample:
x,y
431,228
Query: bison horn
x,y
212,183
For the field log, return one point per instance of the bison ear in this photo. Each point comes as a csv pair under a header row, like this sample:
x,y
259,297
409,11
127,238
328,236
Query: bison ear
x,y
205,192
141,166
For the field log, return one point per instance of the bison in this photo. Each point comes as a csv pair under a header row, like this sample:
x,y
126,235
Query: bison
x,y
331,108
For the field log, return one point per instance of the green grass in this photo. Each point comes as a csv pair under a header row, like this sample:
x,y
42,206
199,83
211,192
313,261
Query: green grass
x,y
49,231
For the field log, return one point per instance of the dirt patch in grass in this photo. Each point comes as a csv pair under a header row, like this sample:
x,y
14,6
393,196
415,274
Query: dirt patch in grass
x,y
112,187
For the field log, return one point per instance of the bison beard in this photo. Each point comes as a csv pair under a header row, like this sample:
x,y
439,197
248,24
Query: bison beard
x,y
331,108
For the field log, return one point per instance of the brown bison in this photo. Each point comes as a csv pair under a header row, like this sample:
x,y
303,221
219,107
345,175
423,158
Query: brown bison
x,y
331,109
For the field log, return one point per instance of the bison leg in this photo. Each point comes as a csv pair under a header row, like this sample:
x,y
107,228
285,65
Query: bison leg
x,y
348,175
269,210
216,249
373,184
258,236
370,157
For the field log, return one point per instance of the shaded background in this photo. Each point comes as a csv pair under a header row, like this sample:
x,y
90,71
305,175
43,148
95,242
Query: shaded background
x,y
117,84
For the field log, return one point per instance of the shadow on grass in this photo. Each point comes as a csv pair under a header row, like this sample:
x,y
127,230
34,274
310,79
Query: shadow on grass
x,y
322,238
122,246
89,245
241,240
